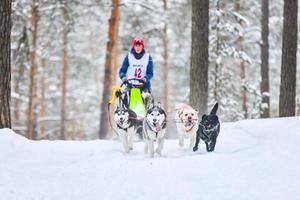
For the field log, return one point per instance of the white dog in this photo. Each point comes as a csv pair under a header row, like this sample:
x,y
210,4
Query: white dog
x,y
187,123
154,129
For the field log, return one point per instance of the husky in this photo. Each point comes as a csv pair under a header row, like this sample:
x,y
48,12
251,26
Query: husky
x,y
128,124
154,129
187,123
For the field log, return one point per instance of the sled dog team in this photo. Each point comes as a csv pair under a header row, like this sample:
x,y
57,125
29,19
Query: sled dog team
x,y
153,127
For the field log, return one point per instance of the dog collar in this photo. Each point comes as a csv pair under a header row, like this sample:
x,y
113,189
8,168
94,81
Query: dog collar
x,y
122,125
212,129
190,128
205,131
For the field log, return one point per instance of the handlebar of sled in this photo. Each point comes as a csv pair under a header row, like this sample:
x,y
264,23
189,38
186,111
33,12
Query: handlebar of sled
x,y
117,89
134,79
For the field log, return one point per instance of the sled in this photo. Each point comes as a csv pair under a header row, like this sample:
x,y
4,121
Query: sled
x,y
135,99
136,102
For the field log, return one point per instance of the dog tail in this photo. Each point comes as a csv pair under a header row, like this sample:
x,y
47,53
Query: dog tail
x,y
214,110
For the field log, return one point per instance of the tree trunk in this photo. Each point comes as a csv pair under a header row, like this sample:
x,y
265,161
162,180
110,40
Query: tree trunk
x,y
5,68
217,64
115,59
82,129
64,51
21,57
43,98
264,86
240,42
243,90
74,134
32,92
287,101
112,35
165,55
199,55
96,71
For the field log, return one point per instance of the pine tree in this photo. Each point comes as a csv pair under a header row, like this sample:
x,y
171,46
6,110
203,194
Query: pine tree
x,y
64,51
199,55
287,98
32,86
5,68
108,69
240,43
264,87
228,59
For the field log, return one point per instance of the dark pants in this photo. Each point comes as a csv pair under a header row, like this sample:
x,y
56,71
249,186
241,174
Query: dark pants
x,y
126,94
145,88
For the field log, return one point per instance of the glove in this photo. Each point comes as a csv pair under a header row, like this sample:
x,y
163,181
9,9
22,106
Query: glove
x,y
144,80
118,93
124,79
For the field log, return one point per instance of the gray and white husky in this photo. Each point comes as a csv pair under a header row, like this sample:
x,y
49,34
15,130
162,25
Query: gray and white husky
x,y
154,129
127,125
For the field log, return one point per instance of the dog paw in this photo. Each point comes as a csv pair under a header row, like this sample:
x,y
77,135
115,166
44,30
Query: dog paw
x,y
127,150
158,152
195,149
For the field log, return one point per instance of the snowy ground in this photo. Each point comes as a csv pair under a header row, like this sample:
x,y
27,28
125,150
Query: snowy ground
x,y
254,159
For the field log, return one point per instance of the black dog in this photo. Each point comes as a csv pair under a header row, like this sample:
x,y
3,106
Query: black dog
x,y
208,130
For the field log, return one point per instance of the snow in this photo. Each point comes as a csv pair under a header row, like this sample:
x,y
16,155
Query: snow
x,y
253,159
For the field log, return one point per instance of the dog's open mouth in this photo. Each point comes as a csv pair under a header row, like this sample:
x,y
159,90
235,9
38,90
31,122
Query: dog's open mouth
x,y
157,126
189,122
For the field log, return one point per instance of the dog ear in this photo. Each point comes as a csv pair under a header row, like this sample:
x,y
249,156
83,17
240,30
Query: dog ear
x,y
124,106
159,104
150,106
215,117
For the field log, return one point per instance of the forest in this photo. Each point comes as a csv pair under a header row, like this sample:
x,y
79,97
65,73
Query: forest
x,y
60,58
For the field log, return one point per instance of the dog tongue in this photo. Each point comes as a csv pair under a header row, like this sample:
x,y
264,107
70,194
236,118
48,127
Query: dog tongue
x,y
158,127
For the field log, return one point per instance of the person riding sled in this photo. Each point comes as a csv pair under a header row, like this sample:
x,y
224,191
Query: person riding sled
x,y
138,65
137,69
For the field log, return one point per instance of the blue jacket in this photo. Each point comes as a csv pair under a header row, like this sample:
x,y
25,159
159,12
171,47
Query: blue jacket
x,y
125,65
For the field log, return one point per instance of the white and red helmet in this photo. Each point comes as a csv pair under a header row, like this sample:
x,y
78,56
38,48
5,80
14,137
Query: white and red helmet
x,y
138,40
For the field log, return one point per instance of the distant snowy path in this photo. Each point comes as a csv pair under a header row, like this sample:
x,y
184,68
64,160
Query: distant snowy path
x,y
254,159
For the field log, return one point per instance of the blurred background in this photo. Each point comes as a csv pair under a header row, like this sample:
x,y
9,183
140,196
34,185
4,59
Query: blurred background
x,y
60,52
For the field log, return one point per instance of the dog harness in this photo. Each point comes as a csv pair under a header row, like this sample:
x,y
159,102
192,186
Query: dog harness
x,y
207,131
121,126
190,128
157,127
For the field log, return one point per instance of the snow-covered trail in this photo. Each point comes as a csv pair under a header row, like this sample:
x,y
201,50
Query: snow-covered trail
x,y
254,159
